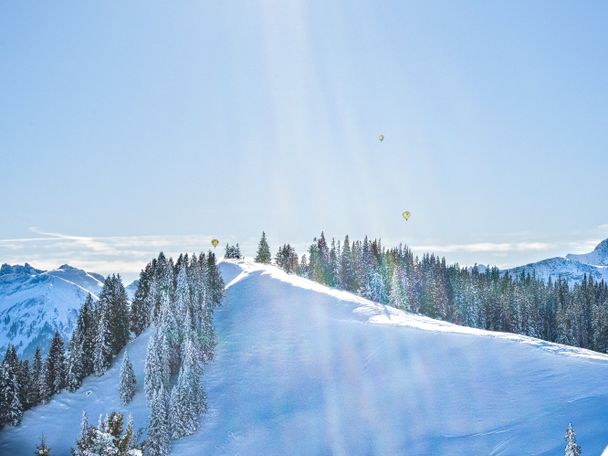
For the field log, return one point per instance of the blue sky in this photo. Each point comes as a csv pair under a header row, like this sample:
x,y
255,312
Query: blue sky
x,y
126,127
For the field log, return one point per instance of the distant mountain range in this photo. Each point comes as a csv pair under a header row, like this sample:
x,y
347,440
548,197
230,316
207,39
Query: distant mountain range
x,y
572,268
35,303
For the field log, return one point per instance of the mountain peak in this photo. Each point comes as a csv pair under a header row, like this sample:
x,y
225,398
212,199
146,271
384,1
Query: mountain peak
x,y
19,269
599,256
602,247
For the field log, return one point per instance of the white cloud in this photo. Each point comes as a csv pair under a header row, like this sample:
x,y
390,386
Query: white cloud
x,y
486,247
102,254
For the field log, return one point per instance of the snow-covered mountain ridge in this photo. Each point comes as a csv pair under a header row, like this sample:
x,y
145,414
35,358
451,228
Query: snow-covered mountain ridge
x,y
303,369
34,303
599,256
572,267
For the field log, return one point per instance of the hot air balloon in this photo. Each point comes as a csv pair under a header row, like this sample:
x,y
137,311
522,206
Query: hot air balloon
x,y
214,242
381,138
406,215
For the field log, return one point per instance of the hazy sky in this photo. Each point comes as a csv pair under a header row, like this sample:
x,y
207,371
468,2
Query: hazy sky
x,y
127,127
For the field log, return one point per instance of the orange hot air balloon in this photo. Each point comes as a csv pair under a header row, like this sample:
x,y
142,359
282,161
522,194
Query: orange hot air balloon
x,y
214,242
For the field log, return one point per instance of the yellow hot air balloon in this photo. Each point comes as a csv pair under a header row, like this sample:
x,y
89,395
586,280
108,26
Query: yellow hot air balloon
x,y
381,138
214,242
406,215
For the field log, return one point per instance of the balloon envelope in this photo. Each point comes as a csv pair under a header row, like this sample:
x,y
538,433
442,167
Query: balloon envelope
x,y
214,242
381,138
406,215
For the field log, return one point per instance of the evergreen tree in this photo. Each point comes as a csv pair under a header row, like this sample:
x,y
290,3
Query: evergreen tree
x,y
263,255
22,374
346,279
572,449
55,367
88,325
127,444
80,349
156,369
187,398
11,409
113,300
140,312
102,351
42,449
127,380
397,296
233,252
10,357
37,380
107,438
158,427
215,283
26,384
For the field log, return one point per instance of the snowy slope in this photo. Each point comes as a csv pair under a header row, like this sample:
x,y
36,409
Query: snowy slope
x,y
35,303
303,369
571,268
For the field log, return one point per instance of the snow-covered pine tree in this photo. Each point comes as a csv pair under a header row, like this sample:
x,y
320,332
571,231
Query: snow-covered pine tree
x,y
75,371
83,340
170,330
36,374
158,427
10,357
263,254
128,442
107,438
11,409
102,352
345,269
192,373
572,448
182,299
55,366
215,283
156,369
85,438
187,397
22,374
118,314
140,314
180,411
42,449
25,383
80,348
397,297
127,380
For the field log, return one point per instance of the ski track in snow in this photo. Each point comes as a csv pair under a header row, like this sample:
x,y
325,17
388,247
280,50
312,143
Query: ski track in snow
x,y
303,369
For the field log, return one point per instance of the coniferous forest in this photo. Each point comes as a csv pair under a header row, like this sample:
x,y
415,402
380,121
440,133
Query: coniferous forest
x,y
178,299
494,300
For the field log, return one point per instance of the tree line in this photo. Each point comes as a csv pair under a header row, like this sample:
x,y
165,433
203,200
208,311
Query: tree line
x,y
494,300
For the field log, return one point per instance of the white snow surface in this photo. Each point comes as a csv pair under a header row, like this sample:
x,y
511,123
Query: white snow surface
x,y
35,303
302,369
